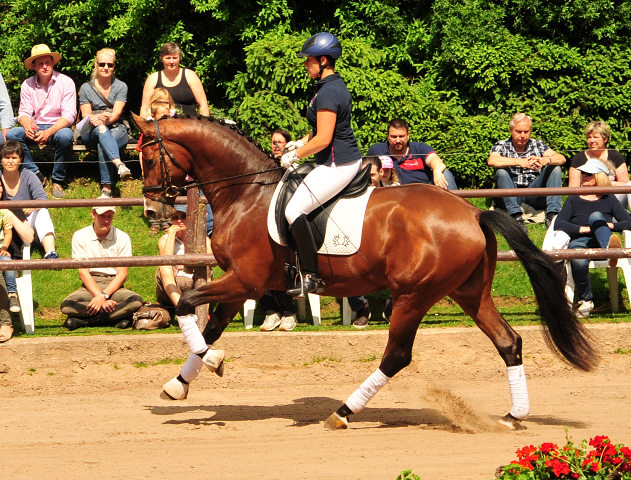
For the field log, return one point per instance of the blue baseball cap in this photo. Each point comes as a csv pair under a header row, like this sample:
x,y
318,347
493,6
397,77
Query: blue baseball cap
x,y
593,166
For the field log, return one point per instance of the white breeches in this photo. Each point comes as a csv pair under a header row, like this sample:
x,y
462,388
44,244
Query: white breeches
x,y
40,222
322,184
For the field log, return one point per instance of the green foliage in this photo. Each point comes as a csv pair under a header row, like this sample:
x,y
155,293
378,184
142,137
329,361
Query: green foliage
x,y
408,475
455,69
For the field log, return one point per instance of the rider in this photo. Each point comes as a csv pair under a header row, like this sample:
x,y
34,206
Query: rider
x,y
334,145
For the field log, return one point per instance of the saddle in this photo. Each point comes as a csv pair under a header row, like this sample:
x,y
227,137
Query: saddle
x,y
318,218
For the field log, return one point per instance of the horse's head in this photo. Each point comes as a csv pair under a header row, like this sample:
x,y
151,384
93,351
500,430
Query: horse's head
x,y
165,161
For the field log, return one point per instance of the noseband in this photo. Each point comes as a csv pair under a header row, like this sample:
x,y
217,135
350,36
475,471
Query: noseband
x,y
166,184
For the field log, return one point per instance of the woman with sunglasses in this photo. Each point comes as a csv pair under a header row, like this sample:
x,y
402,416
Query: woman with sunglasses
x,y
183,84
588,220
103,99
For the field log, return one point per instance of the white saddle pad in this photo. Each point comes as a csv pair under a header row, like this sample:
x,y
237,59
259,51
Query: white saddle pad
x,y
343,230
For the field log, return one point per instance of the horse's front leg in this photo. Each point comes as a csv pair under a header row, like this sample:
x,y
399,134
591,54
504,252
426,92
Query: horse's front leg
x,y
220,319
407,314
226,289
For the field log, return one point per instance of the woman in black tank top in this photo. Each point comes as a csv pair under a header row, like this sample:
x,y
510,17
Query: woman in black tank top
x,y
184,85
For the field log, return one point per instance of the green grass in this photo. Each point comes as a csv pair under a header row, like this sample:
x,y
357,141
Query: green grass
x,y
512,291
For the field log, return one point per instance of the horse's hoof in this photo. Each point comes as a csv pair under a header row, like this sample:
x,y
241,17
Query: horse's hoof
x,y
214,361
175,390
510,422
335,422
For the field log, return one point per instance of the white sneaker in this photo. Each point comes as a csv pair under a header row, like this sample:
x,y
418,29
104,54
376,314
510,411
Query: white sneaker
x,y
14,304
124,172
584,308
271,322
288,323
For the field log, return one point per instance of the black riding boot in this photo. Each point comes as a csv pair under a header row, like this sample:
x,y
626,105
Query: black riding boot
x,y
310,278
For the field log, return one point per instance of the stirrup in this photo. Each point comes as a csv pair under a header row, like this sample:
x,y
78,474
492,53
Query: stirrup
x,y
309,283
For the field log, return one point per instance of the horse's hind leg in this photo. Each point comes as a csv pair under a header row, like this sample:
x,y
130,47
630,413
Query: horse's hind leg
x,y
406,317
475,299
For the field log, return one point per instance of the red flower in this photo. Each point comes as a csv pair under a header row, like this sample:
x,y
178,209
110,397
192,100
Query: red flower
x,y
559,468
548,448
524,452
626,451
599,440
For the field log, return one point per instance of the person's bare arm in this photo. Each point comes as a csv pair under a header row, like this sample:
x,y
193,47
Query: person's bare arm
x,y
622,175
6,241
437,165
574,177
147,91
22,228
497,161
198,91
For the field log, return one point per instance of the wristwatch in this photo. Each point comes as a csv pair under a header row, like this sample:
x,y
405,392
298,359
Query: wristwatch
x,y
107,297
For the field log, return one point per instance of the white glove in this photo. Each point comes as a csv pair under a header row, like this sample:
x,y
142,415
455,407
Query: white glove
x,y
291,146
288,159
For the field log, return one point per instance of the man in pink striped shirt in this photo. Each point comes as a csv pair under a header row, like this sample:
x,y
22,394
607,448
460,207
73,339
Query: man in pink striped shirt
x,y
48,107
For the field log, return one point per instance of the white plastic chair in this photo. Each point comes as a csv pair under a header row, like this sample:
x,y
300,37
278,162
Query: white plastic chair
x,y
25,294
314,302
557,240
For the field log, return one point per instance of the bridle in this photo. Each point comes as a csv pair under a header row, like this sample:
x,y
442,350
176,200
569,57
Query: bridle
x,y
166,184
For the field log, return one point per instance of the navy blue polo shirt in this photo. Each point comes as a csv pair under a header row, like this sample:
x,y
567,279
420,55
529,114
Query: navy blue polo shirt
x,y
332,94
412,168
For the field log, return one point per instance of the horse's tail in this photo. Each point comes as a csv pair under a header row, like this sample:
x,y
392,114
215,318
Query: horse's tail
x,y
564,334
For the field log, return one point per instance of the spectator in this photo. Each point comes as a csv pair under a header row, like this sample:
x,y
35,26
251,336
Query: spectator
x,y
588,220
389,177
360,304
523,162
48,107
102,300
6,111
102,101
375,170
22,184
279,308
173,281
6,236
598,135
183,84
413,159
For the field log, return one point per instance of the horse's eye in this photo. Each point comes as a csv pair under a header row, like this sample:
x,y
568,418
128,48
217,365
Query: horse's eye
x,y
150,162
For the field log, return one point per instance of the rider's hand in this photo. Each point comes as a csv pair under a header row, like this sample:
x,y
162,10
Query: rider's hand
x,y
288,159
291,146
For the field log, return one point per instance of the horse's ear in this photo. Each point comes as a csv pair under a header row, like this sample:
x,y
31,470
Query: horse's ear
x,y
138,121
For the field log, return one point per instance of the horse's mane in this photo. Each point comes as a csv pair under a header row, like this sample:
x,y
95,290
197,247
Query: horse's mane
x,y
229,124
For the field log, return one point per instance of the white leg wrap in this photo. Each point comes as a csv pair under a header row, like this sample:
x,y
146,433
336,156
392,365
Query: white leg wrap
x,y
192,335
192,367
360,397
518,392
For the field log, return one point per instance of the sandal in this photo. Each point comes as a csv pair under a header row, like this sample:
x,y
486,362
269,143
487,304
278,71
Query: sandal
x,y
4,335
154,229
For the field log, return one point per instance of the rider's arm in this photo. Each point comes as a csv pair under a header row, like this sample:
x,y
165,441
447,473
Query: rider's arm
x,y
326,126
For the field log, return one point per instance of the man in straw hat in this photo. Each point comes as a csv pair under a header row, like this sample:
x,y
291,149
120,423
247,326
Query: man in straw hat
x,y
48,107
102,300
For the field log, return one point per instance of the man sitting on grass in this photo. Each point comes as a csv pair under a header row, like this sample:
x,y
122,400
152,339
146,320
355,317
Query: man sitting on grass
x,y
102,300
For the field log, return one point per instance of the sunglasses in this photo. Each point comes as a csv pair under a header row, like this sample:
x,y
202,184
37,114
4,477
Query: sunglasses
x,y
104,64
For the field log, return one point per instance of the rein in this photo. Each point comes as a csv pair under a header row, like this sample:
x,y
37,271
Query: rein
x,y
197,184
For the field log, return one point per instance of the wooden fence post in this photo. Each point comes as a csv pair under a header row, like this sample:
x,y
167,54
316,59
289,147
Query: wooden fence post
x,y
196,243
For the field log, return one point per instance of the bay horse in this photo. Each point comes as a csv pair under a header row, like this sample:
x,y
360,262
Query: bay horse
x,y
419,241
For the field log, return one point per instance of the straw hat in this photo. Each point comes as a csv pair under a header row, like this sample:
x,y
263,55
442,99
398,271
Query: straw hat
x,y
41,50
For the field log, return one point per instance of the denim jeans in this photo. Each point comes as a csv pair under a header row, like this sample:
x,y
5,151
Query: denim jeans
x,y
599,238
62,140
550,177
9,277
108,144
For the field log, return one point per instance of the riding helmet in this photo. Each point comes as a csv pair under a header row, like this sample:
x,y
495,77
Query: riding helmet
x,y
323,43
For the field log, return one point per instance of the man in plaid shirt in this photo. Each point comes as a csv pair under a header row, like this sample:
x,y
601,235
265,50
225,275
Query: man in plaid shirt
x,y
522,162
